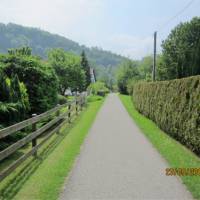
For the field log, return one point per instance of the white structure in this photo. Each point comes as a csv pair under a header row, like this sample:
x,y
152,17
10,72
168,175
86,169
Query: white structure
x,y
92,75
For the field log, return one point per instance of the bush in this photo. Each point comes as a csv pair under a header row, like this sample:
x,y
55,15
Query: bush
x,y
130,85
174,106
98,88
62,99
14,102
14,106
38,77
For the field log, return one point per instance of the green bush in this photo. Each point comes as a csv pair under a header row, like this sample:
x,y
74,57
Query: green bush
x,y
14,106
62,99
98,88
174,106
39,78
14,101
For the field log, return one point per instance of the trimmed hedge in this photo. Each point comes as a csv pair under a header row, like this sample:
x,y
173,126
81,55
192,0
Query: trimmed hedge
x,y
174,106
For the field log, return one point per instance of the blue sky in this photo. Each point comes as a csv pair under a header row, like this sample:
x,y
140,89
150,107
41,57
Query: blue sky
x,y
123,26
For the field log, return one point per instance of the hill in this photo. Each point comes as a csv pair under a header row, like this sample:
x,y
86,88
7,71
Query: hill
x,y
13,36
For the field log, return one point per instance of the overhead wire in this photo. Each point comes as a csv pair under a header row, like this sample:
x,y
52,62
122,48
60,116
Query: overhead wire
x,y
175,16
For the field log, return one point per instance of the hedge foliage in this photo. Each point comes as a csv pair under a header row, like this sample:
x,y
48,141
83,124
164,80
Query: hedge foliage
x,y
174,106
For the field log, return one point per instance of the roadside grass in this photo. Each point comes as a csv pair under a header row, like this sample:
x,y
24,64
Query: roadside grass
x,y
42,178
92,98
175,153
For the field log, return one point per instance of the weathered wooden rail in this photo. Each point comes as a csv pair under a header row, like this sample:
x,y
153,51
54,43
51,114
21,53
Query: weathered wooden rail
x,y
60,118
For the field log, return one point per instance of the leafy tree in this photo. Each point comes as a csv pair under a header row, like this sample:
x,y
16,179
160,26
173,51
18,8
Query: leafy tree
x,y
107,75
145,67
86,68
127,71
39,78
68,69
14,102
23,51
181,51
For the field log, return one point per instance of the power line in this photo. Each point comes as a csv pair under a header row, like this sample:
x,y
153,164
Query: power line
x,y
175,16
161,27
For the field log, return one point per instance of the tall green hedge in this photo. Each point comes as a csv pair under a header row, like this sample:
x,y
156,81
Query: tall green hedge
x,y
174,106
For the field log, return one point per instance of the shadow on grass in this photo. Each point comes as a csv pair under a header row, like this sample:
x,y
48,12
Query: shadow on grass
x,y
9,160
16,181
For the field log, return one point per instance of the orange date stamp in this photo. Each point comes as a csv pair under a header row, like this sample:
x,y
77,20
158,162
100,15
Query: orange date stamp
x,y
182,171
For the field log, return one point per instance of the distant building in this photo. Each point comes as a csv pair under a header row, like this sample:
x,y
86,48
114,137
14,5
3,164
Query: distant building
x,y
92,75
68,92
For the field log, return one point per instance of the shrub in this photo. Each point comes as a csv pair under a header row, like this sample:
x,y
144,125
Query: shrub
x,y
130,85
98,88
62,99
38,77
14,106
14,101
174,106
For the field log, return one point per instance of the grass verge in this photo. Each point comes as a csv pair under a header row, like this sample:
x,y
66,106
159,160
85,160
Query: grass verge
x,y
176,154
46,182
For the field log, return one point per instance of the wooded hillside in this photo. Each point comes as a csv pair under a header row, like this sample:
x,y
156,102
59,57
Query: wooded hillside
x,y
14,36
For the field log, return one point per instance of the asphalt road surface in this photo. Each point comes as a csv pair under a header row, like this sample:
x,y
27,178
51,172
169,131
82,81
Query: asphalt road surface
x,y
117,162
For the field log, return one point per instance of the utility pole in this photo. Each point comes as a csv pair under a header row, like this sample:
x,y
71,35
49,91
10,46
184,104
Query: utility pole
x,y
154,58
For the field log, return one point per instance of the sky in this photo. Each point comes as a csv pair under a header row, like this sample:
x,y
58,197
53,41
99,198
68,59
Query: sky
x,y
124,27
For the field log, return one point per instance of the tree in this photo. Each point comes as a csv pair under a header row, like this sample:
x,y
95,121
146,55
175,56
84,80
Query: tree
x,y
127,71
145,68
23,51
107,75
39,78
86,68
68,69
181,51
14,101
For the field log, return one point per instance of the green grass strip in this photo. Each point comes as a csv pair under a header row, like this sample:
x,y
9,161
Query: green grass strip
x,y
47,181
175,153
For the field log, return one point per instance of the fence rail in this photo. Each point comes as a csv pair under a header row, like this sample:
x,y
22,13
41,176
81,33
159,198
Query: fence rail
x,y
49,129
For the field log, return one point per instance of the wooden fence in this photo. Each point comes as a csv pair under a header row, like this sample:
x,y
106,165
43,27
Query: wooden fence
x,y
56,118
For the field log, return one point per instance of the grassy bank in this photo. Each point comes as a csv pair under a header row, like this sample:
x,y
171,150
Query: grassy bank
x,y
46,182
176,154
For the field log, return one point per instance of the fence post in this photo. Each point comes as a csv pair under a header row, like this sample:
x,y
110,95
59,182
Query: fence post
x,y
57,115
76,105
34,128
80,102
84,100
69,112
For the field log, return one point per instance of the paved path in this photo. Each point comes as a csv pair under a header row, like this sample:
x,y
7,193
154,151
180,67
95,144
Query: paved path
x,y
117,162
